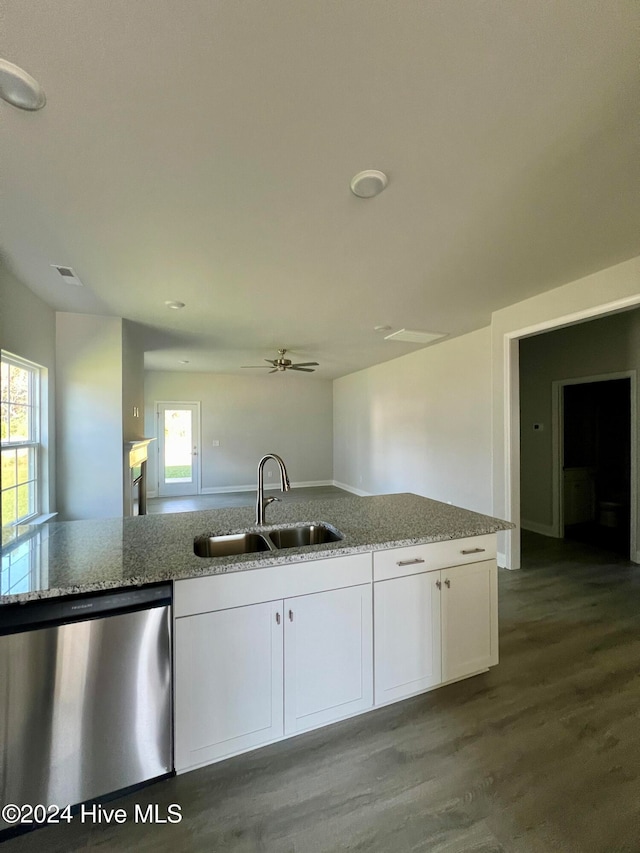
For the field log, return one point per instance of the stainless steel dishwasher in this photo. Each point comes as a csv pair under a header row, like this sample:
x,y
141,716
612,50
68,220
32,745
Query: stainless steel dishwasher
x,y
85,695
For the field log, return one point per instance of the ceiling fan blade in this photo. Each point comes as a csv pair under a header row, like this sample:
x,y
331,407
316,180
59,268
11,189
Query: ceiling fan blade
x,y
275,370
254,367
272,361
301,369
306,364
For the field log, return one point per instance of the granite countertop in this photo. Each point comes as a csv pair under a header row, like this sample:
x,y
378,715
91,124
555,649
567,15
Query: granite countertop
x,y
75,557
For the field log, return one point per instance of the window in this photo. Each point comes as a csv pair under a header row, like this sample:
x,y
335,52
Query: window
x,y
20,434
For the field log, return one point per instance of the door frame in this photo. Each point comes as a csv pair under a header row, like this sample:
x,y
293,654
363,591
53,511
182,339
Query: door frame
x,y
510,393
197,482
557,450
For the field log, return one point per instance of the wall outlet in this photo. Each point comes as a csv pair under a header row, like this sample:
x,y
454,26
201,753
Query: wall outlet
x,y
136,412
269,473
215,443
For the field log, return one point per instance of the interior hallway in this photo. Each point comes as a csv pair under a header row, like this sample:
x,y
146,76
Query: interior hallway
x,y
541,754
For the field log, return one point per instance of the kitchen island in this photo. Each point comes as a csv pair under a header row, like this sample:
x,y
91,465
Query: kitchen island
x,y
270,644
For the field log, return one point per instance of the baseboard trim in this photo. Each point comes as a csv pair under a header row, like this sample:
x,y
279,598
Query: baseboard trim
x,y
359,492
536,527
223,490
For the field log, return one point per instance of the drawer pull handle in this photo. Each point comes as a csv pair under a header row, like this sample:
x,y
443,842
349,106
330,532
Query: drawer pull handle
x,y
410,562
473,551
291,616
439,584
277,618
447,583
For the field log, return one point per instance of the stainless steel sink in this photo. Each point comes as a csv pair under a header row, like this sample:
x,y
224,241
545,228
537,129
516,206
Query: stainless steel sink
x,y
228,546
308,534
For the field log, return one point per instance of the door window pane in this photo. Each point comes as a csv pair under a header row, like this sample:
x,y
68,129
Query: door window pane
x,y
178,444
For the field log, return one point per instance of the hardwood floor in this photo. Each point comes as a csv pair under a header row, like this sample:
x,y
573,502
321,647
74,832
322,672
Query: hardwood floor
x,y
541,754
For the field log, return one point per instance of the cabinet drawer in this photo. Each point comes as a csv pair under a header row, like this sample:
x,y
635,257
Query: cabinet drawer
x,y
410,560
236,589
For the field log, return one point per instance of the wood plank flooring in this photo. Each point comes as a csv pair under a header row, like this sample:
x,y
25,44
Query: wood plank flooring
x,y
542,754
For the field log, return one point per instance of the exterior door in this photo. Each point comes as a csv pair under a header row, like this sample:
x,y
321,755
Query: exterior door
x,y
178,449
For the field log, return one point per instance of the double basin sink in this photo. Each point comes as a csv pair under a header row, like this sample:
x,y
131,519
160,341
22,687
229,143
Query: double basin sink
x,y
273,540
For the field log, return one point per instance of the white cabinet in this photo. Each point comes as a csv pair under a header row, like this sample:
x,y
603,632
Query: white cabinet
x,y
469,601
247,675
328,657
265,654
433,627
407,636
228,682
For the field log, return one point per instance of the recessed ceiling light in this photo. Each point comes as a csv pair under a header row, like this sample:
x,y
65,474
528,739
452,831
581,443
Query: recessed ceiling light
x,y
184,361
19,88
413,336
369,183
171,303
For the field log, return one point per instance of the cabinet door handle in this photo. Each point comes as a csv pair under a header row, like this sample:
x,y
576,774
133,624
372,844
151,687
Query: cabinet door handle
x,y
473,551
447,583
439,584
291,616
410,562
277,618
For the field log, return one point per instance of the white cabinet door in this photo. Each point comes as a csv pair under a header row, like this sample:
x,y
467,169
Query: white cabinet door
x,y
469,619
407,636
328,657
228,688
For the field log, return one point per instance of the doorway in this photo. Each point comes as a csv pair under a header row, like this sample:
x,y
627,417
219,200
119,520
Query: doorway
x,y
595,461
178,426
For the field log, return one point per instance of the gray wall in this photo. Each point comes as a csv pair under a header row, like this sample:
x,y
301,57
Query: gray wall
x,y
28,329
605,345
132,382
420,423
250,416
89,416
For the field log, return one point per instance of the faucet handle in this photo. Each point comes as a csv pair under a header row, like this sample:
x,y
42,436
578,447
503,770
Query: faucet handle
x,y
270,500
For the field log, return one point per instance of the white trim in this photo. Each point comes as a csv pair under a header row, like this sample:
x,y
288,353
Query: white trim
x,y
557,480
360,492
536,527
512,405
222,490
152,493
501,560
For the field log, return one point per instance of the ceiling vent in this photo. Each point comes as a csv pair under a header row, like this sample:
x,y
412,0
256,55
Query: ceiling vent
x,y
68,275
411,336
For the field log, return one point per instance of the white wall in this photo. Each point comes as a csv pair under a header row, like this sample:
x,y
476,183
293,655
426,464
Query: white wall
x,y
615,287
606,345
250,416
28,329
420,423
89,416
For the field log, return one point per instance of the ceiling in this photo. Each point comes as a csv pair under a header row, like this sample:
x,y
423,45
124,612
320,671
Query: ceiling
x,y
201,151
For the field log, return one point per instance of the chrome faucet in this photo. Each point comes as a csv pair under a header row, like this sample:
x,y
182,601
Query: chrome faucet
x,y
262,502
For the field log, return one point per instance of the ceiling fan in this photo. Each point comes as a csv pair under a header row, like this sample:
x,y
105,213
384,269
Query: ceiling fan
x,y
281,363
